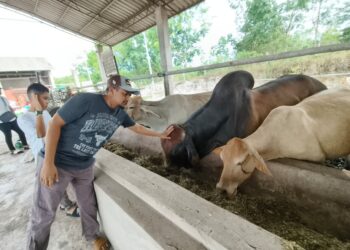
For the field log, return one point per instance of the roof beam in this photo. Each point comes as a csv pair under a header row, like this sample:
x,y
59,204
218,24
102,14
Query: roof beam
x,y
64,13
36,6
98,15
83,10
131,19
165,4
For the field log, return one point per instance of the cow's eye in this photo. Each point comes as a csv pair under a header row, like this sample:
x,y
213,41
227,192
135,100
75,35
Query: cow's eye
x,y
243,171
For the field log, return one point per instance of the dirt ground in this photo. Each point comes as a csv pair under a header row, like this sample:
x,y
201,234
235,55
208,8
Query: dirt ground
x,y
275,216
16,190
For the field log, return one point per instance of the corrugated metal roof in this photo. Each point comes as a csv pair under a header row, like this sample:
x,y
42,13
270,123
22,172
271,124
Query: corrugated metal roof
x,y
105,21
17,64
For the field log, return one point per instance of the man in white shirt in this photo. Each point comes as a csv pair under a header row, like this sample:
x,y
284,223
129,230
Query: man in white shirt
x,y
8,122
34,123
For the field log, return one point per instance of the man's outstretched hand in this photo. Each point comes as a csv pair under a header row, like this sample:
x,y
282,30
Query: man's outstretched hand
x,y
167,132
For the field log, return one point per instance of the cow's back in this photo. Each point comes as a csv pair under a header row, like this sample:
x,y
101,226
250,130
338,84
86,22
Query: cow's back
x,y
285,90
329,113
315,129
291,88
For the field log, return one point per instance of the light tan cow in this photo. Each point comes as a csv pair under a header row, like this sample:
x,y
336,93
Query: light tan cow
x,y
346,172
157,115
172,109
316,129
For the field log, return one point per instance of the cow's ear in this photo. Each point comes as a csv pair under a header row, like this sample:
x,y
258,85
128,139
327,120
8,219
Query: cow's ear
x,y
218,151
150,112
259,162
346,172
192,154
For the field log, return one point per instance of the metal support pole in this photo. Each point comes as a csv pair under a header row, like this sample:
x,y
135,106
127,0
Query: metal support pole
x,y
164,44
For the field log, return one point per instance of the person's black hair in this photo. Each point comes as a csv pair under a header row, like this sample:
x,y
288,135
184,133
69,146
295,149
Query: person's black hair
x,y
37,88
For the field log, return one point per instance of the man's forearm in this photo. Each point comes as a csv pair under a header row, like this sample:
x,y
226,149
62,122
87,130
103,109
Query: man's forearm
x,y
145,131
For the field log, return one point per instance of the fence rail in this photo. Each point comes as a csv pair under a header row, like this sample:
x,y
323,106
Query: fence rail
x,y
284,55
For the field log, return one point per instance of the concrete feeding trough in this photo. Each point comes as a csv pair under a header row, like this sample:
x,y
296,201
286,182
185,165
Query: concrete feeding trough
x,y
320,191
321,194
141,210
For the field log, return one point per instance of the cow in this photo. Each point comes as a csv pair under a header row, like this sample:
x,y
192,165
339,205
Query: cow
x,y
234,110
172,109
346,172
316,129
157,115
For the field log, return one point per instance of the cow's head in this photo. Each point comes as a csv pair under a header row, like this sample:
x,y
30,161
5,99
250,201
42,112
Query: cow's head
x,y
180,149
346,172
138,111
133,108
239,160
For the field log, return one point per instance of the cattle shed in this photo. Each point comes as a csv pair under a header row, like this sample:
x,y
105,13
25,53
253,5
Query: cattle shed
x,y
17,73
108,22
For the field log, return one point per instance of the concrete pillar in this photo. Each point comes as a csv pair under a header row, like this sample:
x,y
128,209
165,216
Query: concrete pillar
x,y
76,78
52,80
37,75
107,62
99,50
164,44
111,55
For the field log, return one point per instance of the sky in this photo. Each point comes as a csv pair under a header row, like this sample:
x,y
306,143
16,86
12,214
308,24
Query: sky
x,y
23,36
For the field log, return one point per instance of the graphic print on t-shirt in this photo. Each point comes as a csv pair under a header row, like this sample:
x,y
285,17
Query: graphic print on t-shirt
x,y
100,139
95,132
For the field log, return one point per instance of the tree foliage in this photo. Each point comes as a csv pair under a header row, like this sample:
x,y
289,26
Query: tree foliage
x,y
271,26
224,50
265,27
64,81
89,69
262,26
184,35
131,54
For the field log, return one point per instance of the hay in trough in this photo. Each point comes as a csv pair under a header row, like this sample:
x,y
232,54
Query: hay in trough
x,y
276,216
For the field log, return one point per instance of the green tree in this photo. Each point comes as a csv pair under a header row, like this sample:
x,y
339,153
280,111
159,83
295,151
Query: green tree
x,y
343,20
263,25
89,69
186,30
292,13
82,72
64,81
224,50
93,67
345,37
131,54
330,36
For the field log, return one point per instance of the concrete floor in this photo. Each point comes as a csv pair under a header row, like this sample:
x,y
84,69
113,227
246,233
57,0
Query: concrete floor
x,y
16,190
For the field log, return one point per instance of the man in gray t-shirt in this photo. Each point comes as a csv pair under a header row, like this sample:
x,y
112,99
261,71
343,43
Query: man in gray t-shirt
x,y
75,134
